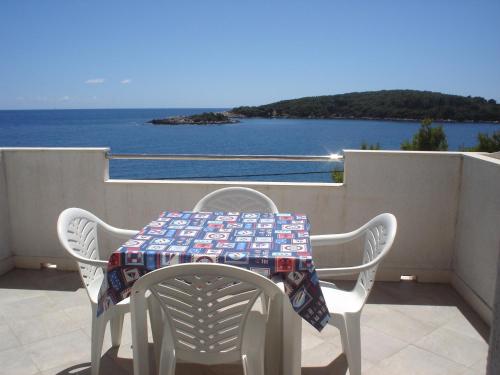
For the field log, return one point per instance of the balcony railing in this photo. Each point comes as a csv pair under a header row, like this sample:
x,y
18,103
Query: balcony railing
x,y
289,158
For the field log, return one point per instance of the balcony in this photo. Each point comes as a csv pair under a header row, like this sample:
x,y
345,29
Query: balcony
x,y
448,211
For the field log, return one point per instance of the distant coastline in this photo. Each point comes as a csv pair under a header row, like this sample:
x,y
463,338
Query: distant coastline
x,y
385,105
205,118
234,115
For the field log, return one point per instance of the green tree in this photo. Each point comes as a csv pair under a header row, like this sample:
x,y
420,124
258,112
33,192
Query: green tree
x,y
428,138
487,143
338,176
366,146
395,104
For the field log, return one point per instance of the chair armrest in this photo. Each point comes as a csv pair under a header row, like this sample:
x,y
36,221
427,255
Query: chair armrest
x,y
342,271
278,280
120,233
335,239
91,262
125,233
329,239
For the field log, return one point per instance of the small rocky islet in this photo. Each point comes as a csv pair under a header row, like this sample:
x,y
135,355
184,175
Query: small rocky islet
x,y
206,118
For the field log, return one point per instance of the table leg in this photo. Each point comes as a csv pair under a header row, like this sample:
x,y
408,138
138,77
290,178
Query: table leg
x,y
139,335
292,339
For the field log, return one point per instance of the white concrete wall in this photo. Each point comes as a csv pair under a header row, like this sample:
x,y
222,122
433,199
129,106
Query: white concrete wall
x,y
477,242
421,189
42,183
446,204
6,259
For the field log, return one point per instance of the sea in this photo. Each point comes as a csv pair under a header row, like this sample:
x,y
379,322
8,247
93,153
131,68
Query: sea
x,y
127,131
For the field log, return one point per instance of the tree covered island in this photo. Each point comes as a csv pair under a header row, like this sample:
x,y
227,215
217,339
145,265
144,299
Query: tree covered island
x,y
381,105
206,118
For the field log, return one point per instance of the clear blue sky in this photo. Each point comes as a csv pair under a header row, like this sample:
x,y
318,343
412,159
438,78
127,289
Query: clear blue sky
x,y
106,54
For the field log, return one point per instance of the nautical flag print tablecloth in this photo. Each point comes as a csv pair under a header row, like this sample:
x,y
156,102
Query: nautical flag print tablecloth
x,y
266,243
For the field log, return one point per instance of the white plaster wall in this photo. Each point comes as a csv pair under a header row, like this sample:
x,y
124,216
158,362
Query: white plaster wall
x,y
43,182
422,190
6,261
478,228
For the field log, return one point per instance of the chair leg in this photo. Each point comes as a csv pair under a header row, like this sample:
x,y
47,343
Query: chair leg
x,y
156,318
97,338
252,365
354,343
116,325
341,326
167,362
263,303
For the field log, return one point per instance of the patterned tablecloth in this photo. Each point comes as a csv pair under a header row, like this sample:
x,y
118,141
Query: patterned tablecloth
x,y
266,243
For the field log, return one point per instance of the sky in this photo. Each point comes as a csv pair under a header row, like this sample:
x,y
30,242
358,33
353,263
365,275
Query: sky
x,y
216,54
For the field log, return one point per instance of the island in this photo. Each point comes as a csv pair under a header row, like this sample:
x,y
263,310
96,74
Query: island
x,y
381,105
206,118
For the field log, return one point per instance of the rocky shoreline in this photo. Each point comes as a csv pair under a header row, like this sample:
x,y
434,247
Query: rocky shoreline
x,y
207,118
365,118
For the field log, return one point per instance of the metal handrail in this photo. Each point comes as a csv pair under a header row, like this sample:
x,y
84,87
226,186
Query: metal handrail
x,y
301,158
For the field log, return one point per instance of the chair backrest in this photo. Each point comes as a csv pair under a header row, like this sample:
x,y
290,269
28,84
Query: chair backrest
x,y
379,235
236,199
77,232
205,308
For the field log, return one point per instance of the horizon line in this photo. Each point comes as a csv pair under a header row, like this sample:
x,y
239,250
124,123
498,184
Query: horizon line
x,y
104,108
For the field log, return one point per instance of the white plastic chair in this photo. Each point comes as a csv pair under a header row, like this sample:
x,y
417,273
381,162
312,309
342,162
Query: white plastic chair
x,y
345,306
236,199
77,231
207,318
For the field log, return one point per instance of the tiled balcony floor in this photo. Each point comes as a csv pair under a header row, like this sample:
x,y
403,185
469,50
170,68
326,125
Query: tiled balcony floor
x,y
407,328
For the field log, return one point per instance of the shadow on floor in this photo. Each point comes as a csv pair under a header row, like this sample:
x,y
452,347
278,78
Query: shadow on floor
x,y
112,364
43,279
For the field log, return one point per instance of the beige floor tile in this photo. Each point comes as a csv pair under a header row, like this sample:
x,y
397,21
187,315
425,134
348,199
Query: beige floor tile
x,y
40,327
415,361
371,311
8,295
471,372
67,299
327,332
27,307
456,347
81,313
67,349
16,362
480,366
310,341
320,355
432,315
125,350
461,325
376,345
395,318
7,338
398,325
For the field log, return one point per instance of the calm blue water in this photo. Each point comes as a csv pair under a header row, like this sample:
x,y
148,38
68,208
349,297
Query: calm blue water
x,y
125,131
